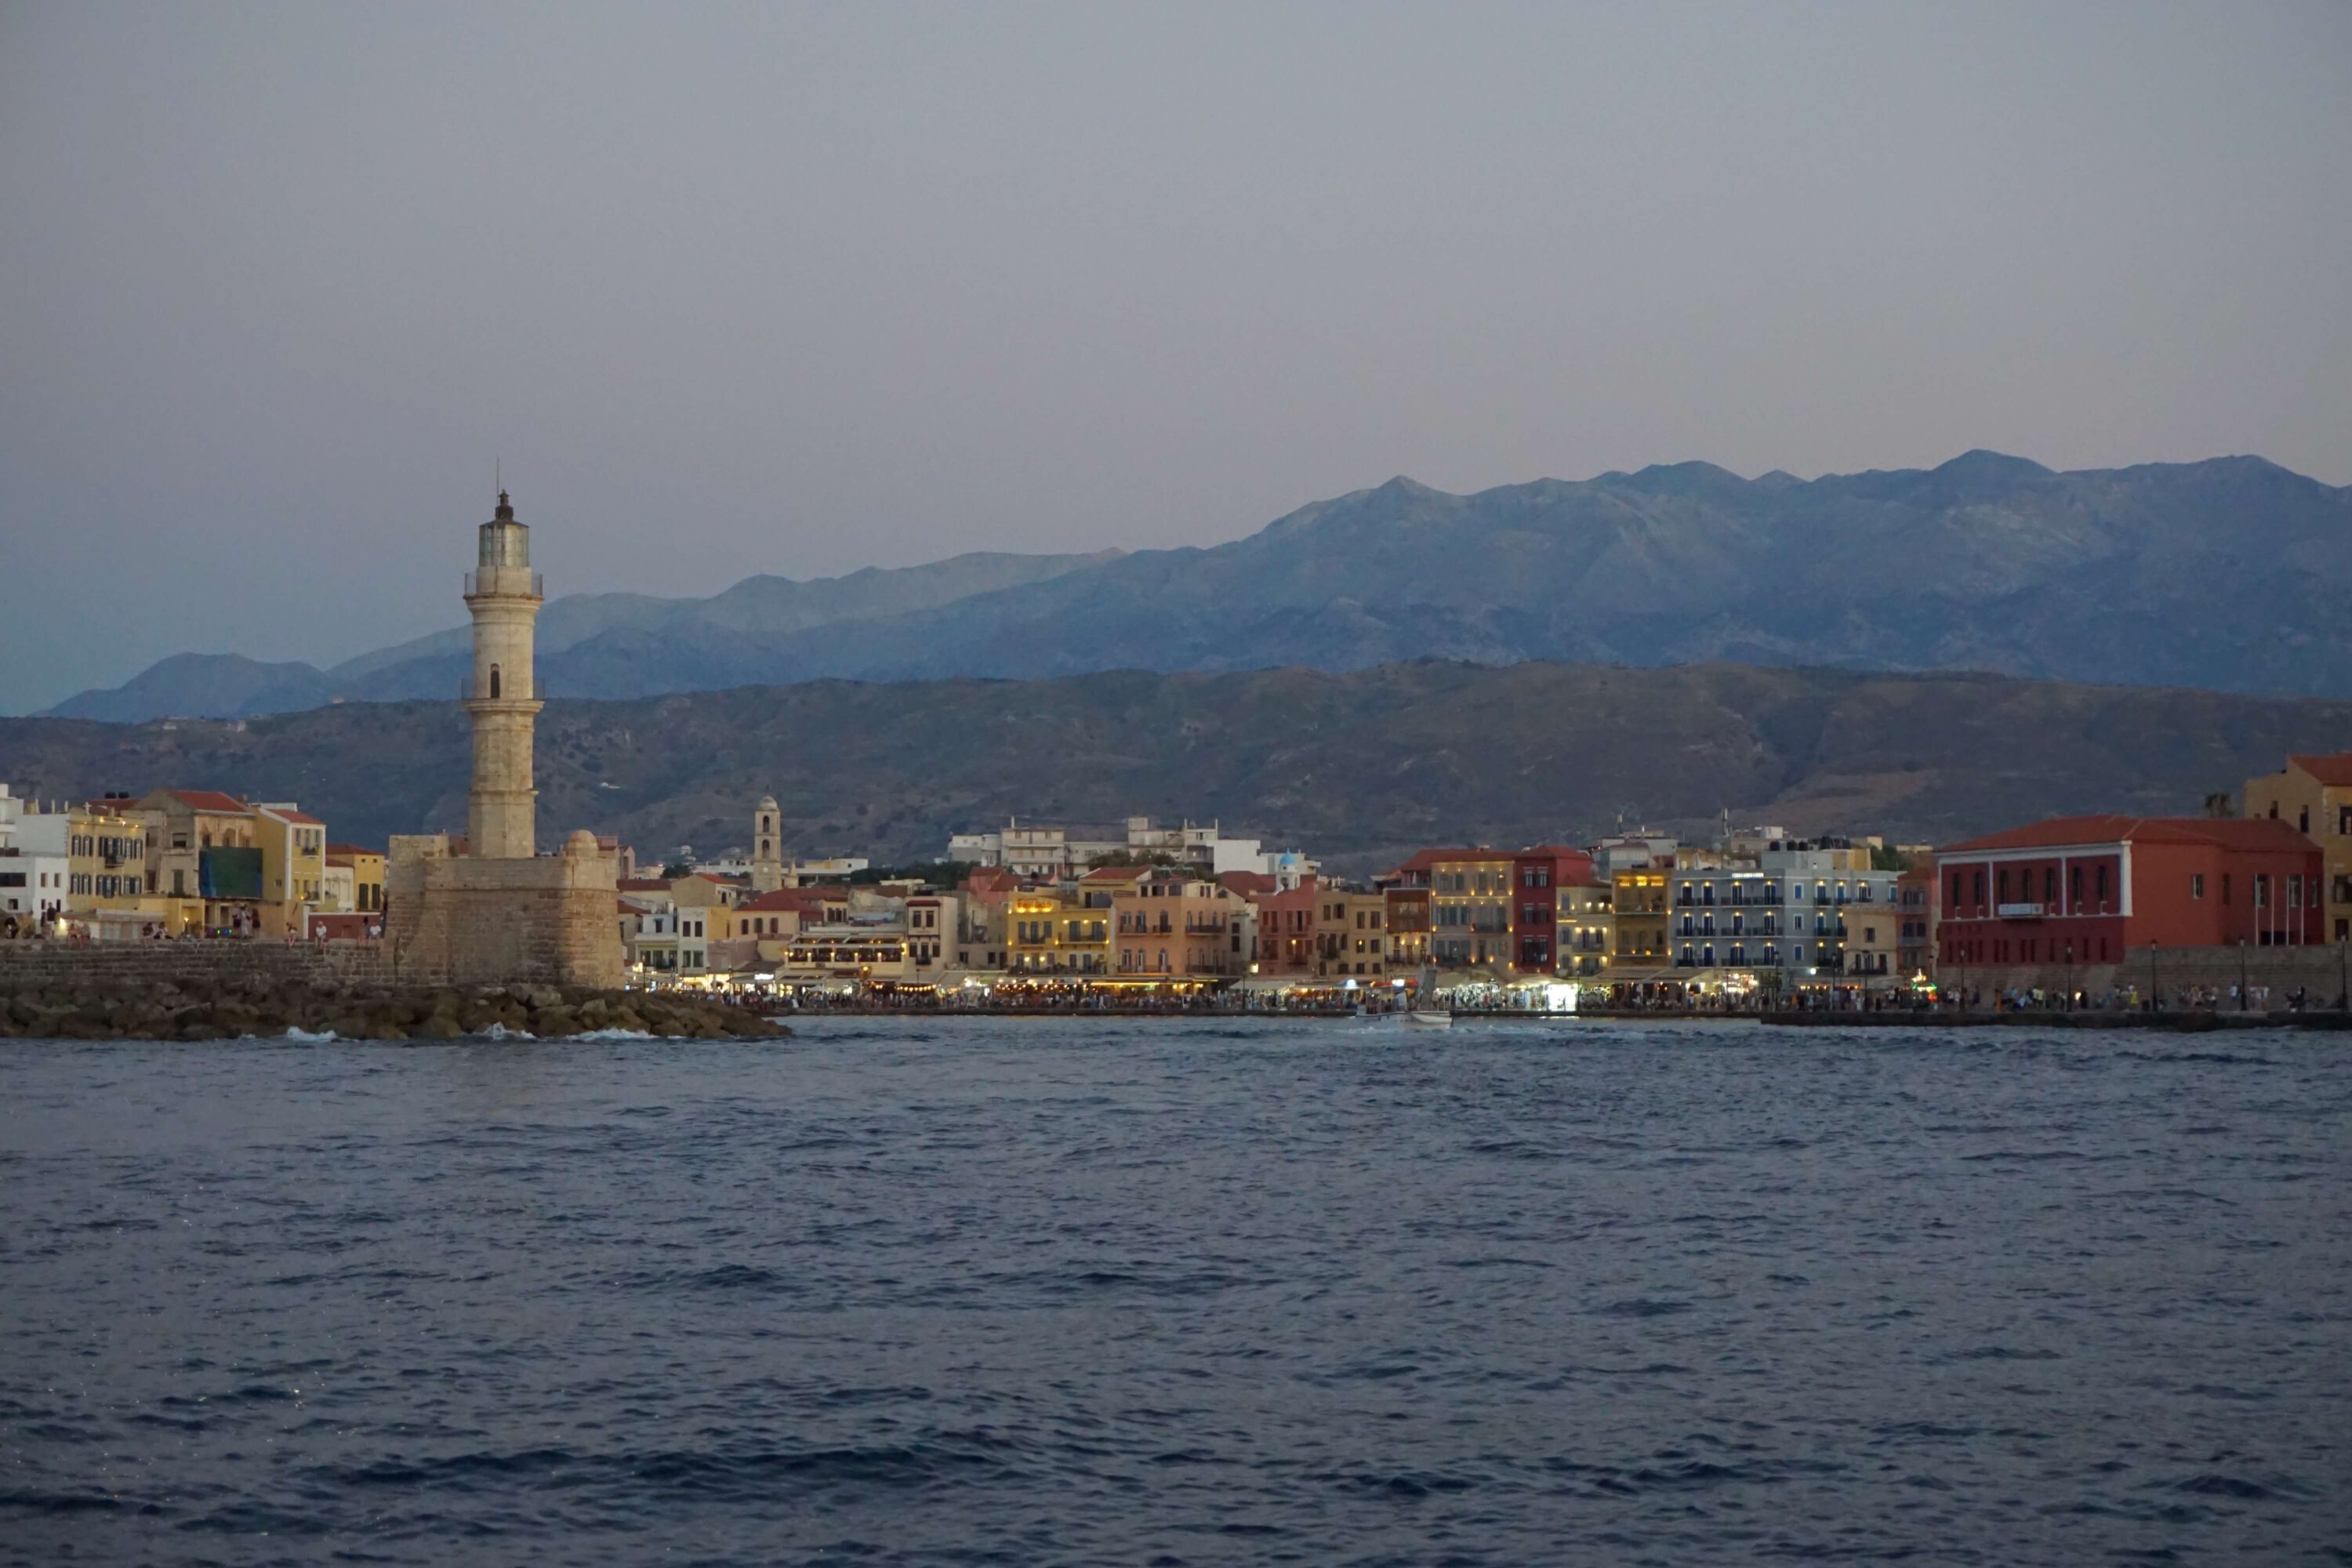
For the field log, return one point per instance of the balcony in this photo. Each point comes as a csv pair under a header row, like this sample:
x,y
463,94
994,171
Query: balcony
x,y
473,583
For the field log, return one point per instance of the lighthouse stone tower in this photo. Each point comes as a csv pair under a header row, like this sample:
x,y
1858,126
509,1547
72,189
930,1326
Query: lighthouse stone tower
x,y
503,595
491,909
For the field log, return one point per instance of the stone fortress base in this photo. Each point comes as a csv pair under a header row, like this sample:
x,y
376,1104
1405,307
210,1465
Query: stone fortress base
x,y
453,919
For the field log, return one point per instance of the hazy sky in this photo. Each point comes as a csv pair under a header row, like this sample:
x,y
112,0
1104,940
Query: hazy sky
x,y
798,289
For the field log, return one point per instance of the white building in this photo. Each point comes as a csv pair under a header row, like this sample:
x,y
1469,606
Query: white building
x,y
35,867
1794,912
1047,852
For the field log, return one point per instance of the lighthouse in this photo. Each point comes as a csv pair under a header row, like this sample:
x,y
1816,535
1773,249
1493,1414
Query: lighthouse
x,y
503,595
490,908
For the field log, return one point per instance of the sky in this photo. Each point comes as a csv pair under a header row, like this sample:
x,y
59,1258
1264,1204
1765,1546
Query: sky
x,y
799,289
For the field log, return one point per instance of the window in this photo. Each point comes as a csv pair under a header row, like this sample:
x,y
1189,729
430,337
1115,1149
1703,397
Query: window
x,y
494,681
2102,884
1979,887
2302,821
2262,889
2049,884
2197,884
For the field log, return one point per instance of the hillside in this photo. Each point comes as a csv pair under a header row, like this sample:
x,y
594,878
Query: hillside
x,y
1357,766
2229,575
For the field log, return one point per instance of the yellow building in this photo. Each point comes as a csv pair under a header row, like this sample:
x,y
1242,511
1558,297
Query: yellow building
x,y
2314,793
1470,893
1063,932
103,848
366,869
293,845
202,859
1587,928
1351,933
1637,903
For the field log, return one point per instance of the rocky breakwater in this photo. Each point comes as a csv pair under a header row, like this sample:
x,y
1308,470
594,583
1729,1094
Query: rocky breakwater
x,y
196,1009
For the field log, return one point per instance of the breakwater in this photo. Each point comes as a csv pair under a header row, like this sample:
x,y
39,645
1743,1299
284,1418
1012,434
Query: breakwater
x,y
213,990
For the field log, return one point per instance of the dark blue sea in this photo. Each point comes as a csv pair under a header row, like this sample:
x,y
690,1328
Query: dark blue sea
x,y
1018,1291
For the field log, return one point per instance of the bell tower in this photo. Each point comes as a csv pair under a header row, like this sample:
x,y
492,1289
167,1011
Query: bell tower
x,y
767,848
503,595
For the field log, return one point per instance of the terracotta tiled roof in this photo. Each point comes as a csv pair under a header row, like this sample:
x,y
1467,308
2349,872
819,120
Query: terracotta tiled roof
x,y
644,885
800,899
2334,771
207,800
301,817
2064,832
351,849
1426,859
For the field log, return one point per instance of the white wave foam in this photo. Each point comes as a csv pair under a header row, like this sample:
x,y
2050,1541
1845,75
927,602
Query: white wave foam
x,y
308,1037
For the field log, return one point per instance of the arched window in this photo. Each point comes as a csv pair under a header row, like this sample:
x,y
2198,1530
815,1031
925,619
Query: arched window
x,y
494,681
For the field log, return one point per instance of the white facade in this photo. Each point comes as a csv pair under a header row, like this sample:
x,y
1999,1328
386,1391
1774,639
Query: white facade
x,y
1790,914
1050,852
31,884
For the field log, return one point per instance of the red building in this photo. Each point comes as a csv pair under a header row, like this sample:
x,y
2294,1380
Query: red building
x,y
1286,930
1539,873
2092,890
1918,907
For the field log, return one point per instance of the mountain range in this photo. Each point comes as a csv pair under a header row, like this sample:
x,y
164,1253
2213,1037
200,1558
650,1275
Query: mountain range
x,y
2230,575
1359,767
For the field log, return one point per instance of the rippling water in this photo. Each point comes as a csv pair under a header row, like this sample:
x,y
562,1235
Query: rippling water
x,y
1051,1291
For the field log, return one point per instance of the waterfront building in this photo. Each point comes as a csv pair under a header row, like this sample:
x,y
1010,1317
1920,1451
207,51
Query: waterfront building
x,y
32,886
931,922
648,929
1351,933
1409,928
1470,895
362,873
1586,926
12,810
1062,929
982,913
1917,898
204,858
1637,907
2094,890
490,908
101,847
2315,794
293,845
1173,925
1285,931
863,953
1539,873
1795,913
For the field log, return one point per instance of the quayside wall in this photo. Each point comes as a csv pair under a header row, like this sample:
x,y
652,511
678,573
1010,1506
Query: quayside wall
x,y
205,961
2318,970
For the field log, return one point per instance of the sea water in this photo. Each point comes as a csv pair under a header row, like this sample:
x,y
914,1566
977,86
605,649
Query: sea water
x,y
1062,1291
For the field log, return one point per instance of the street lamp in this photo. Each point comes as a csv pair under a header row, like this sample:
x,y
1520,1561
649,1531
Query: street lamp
x,y
2155,991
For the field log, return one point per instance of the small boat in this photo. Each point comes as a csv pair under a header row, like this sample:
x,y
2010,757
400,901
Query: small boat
x,y
1411,1018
